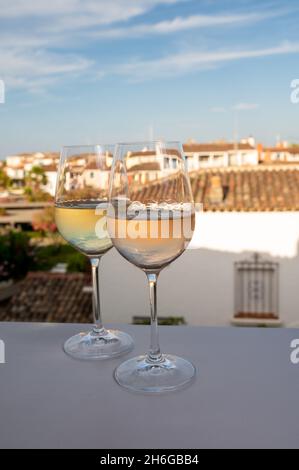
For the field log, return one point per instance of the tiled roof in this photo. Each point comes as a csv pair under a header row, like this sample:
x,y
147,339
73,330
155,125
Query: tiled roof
x,y
292,150
49,168
146,166
100,166
248,189
50,297
216,147
254,188
19,166
148,153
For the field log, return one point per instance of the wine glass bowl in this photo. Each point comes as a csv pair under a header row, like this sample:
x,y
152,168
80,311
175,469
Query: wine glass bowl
x,y
151,220
81,203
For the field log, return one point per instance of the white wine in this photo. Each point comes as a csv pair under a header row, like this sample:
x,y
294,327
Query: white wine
x,y
84,225
152,239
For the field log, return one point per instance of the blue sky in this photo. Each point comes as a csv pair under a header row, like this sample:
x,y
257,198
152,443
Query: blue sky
x,y
84,71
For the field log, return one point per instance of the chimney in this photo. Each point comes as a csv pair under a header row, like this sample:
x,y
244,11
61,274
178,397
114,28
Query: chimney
x,y
259,148
215,194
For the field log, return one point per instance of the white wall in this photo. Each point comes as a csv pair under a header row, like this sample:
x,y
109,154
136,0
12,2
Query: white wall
x,y
15,173
199,285
276,233
51,182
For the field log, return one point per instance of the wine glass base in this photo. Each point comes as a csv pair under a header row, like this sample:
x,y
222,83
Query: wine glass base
x,y
140,375
106,345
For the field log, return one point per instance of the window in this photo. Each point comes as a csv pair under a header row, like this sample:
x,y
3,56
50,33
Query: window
x,y
256,289
141,320
173,162
91,174
166,162
203,158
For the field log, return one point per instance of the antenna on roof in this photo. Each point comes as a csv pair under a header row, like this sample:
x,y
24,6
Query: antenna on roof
x,y
236,129
278,140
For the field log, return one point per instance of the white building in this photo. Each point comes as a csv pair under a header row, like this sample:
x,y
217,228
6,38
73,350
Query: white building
x,y
15,167
95,177
51,175
18,166
279,154
220,154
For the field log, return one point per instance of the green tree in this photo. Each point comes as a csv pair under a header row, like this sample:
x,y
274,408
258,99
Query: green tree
x,y
15,255
4,179
36,178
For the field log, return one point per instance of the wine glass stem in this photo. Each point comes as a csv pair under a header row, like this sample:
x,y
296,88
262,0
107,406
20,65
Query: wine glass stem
x,y
154,354
96,306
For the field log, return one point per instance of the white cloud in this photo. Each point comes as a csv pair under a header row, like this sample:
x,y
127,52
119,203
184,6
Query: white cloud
x,y
73,14
25,57
181,24
26,8
245,106
37,70
25,60
180,63
45,64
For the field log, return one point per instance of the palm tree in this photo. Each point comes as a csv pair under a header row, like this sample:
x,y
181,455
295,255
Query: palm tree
x,y
36,178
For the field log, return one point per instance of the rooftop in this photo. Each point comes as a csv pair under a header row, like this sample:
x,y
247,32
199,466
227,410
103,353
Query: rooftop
x,y
292,150
247,189
146,166
261,188
216,147
34,299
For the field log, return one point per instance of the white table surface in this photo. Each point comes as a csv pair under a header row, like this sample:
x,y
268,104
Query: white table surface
x,y
246,393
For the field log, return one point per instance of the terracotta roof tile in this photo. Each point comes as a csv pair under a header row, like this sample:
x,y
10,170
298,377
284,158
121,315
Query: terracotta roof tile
x,y
146,166
148,153
34,299
216,147
49,167
258,188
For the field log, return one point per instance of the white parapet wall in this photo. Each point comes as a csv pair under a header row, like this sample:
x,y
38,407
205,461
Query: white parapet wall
x,y
275,233
200,284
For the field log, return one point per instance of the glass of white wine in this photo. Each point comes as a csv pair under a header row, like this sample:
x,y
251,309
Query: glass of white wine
x,y
80,212
151,221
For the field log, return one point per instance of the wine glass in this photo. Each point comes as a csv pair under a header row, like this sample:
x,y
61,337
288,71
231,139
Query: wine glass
x,y
80,212
151,221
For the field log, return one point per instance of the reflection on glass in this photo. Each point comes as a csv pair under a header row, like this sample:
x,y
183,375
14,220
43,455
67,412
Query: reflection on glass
x,y
80,213
151,221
